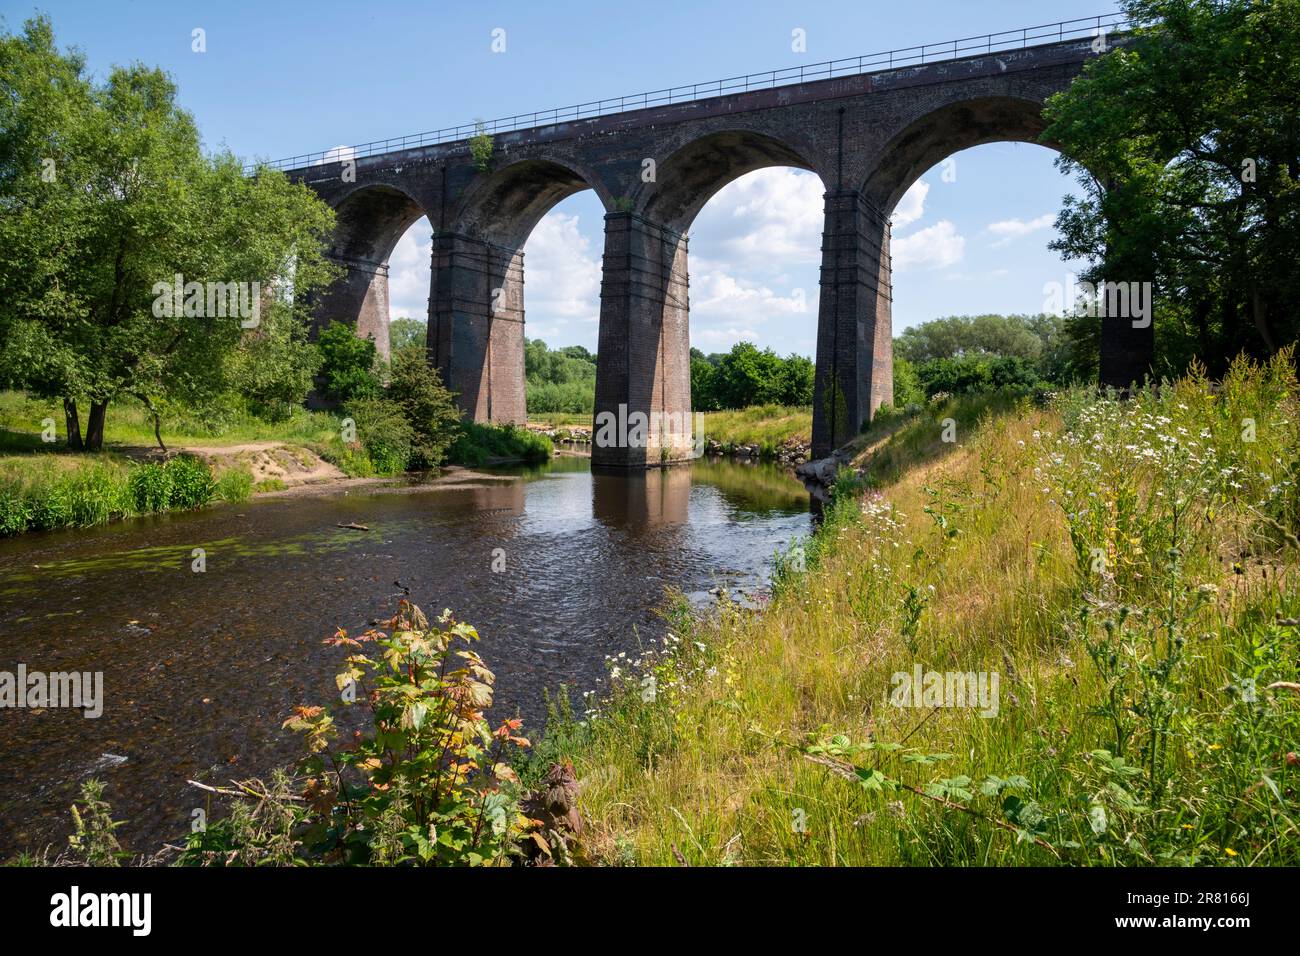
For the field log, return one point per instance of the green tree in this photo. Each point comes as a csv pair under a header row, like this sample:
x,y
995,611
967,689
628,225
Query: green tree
x,y
348,364
403,332
105,197
797,374
273,367
1186,142
703,396
964,334
428,407
560,380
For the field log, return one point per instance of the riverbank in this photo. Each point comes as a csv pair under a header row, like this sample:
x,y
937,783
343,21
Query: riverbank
x,y
557,567
43,485
1107,575
761,433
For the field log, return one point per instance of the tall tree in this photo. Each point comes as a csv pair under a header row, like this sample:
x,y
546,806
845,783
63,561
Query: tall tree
x,y
1186,140
108,197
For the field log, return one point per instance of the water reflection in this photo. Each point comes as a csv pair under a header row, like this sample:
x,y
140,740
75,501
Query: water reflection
x,y
654,498
200,669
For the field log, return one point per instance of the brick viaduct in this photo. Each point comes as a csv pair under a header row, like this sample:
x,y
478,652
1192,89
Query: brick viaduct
x,y
868,136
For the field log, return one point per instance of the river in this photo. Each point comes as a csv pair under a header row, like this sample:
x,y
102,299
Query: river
x,y
200,668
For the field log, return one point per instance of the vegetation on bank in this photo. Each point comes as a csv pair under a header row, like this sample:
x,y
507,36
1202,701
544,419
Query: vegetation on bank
x,y
495,444
768,427
559,380
414,426
1116,577
1127,569
39,492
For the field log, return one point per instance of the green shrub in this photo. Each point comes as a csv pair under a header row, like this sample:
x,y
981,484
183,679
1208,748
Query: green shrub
x,y
479,444
51,505
430,783
907,387
15,510
967,374
192,484
347,364
151,487
95,495
236,485
428,407
384,433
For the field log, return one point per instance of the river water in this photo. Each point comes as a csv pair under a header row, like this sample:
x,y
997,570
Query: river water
x,y
200,669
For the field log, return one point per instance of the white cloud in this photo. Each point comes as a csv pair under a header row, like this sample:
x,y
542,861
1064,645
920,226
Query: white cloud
x,y
408,273
765,220
717,296
336,154
561,280
1008,229
912,206
934,247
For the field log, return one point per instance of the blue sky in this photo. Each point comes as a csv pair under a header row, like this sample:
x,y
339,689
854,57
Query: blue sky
x,y
283,78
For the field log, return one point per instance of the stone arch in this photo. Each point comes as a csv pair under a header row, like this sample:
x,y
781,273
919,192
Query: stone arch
x,y
693,173
503,206
934,136
369,220
476,303
643,357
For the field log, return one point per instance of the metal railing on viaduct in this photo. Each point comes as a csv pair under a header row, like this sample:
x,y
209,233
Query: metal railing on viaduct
x,y
927,53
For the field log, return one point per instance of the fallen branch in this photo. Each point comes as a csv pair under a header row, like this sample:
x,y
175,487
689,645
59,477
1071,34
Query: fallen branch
x,y
243,791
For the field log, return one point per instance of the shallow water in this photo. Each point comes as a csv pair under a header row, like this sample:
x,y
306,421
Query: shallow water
x,y
200,669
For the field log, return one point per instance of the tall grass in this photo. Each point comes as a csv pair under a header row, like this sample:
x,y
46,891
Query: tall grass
x,y
484,444
1126,569
40,492
767,426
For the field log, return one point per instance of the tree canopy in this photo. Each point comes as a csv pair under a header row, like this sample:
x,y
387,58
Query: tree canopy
x,y
118,230
1186,141
748,376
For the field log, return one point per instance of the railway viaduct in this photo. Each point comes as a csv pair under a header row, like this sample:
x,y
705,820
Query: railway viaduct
x,y
867,127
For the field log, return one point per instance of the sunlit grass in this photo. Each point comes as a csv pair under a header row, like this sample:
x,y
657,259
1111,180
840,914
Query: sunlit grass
x,y
711,768
128,423
767,426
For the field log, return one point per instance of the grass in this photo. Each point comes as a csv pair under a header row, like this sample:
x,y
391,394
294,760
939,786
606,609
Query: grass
x,y
128,423
1127,570
767,426
561,419
491,444
44,491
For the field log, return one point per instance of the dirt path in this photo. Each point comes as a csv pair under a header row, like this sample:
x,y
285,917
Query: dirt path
x,y
276,463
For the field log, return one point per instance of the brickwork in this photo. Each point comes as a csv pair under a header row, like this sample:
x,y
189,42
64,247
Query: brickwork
x,y
476,326
867,136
